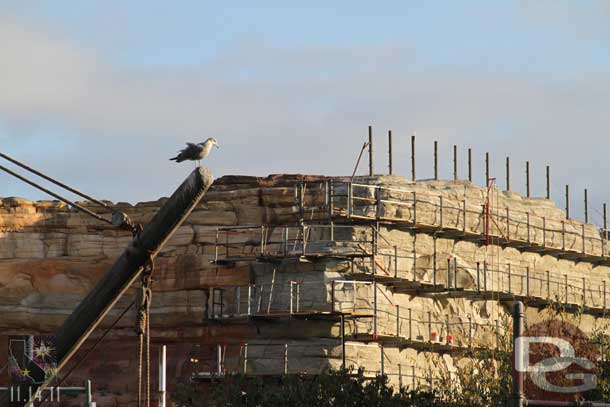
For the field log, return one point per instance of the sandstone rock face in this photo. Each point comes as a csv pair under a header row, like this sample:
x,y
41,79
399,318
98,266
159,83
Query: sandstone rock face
x,y
259,274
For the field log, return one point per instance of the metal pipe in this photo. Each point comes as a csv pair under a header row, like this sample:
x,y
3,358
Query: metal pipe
x,y
508,173
470,164
413,157
435,160
518,395
567,201
527,179
455,165
486,169
390,151
548,182
371,171
586,206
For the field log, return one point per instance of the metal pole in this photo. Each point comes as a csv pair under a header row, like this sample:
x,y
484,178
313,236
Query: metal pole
x,y
548,182
413,157
88,396
162,375
96,305
486,169
435,159
470,164
527,179
390,151
371,172
567,202
586,206
508,173
455,165
518,395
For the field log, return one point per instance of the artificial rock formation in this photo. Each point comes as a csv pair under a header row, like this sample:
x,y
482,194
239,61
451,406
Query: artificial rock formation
x,y
268,298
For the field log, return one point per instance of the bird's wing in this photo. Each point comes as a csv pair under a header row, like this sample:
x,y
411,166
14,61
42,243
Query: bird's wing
x,y
191,151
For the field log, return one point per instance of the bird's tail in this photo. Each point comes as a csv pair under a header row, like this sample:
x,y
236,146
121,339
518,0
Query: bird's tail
x,y
176,158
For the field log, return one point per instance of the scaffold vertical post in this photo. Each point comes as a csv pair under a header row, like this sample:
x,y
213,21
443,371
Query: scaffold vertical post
x,y
497,334
508,173
470,331
395,261
567,201
413,157
527,179
298,284
378,203
584,245
291,296
604,295
382,362
470,164
410,312
434,261
455,163
604,231
543,231
584,293
548,285
464,222
414,208
563,235
527,281
350,199
507,223
162,378
219,359
331,198
216,247
397,320
435,159
487,169
371,167
375,309
586,206
509,278
455,270
449,273
440,206
529,233
390,151
548,182
485,276
332,296
478,277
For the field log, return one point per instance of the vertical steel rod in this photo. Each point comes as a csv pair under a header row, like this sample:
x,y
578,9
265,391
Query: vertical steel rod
x,y
413,157
470,164
508,173
567,201
548,182
435,159
527,179
455,164
371,172
486,168
390,151
518,394
586,206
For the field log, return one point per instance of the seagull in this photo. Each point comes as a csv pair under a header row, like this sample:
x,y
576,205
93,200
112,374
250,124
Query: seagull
x,y
196,152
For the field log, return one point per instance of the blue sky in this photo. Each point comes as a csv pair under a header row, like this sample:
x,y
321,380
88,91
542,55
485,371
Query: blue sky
x,y
286,87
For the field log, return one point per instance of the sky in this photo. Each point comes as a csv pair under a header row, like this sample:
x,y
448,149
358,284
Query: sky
x,y
102,94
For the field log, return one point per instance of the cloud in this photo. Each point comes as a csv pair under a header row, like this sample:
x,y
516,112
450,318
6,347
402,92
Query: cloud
x,y
277,110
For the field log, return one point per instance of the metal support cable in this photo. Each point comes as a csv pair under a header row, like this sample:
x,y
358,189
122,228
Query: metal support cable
x,y
57,196
54,181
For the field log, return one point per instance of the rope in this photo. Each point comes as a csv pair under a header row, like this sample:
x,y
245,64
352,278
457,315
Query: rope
x,y
142,329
